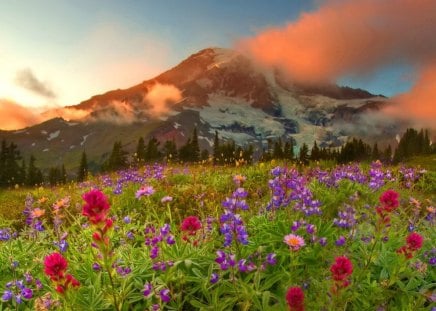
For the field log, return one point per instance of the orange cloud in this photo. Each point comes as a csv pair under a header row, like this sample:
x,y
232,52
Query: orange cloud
x,y
160,96
14,116
356,37
349,37
420,102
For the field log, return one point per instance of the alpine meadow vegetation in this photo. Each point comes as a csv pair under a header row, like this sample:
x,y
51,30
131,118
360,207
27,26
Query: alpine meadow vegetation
x,y
267,236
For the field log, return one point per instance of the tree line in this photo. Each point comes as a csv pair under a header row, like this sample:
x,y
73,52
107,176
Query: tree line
x,y
15,170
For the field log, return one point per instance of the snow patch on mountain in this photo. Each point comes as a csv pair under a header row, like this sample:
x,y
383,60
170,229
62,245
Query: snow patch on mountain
x,y
53,135
224,113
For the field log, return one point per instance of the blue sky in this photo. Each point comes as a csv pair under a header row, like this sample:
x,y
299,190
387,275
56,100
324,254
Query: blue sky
x,y
77,49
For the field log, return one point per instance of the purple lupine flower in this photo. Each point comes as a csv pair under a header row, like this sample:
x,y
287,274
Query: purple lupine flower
x,y
347,218
323,241
432,261
154,252
148,289
271,259
164,295
63,246
38,284
310,229
130,235
340,241
165,230
27,293
214,278
7,295
38,226
28,277
170,240
96,266
127,219
18,299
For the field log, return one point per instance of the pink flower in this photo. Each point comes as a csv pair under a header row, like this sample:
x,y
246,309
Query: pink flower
x,y
144,191
295,299
96,207
295,242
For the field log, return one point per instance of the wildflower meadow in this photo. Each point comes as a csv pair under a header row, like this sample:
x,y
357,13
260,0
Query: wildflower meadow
x,y
268,236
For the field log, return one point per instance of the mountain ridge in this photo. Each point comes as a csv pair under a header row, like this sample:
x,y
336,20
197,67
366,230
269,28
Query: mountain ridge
x,y
214,90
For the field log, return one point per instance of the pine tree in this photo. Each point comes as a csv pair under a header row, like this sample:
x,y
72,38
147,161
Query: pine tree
x,y
117,159
216,149
195,148
34,175
63,179
140,150
278,150
375,153
82,173
304,154
152,152
169,150
289,150
315,153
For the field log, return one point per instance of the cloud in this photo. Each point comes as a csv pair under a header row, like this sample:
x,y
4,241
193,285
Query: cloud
x,y
117,112
13,116
68,114
27,79
160,97
419,104
355,38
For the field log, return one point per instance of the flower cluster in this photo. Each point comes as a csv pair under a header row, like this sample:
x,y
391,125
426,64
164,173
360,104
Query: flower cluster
x,y
34,214
341,271
289,186
154,240
55,266
149,292
231,224
295,299
18,290
413,243
346,217
6,234
389,202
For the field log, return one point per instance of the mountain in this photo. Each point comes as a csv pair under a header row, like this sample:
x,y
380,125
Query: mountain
x,y
214,90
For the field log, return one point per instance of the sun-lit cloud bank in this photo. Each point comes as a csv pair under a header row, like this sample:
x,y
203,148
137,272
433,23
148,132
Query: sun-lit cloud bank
x,y
160,97
356,37
14,116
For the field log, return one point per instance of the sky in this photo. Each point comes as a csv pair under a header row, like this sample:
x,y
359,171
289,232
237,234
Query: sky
x,y
58,52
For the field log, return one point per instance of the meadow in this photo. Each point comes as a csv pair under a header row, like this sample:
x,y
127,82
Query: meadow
x,y
269,236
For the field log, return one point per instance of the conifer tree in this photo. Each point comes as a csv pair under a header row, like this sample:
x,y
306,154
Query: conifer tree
x,y
82,173
140,150
304,156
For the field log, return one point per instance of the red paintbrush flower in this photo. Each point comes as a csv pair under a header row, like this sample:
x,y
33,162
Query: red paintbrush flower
x,y
389,200
96,207
341,270
295,299
414,241
55,266
191,224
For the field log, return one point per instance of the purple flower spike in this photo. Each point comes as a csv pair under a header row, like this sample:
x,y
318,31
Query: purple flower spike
x,y
165,295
